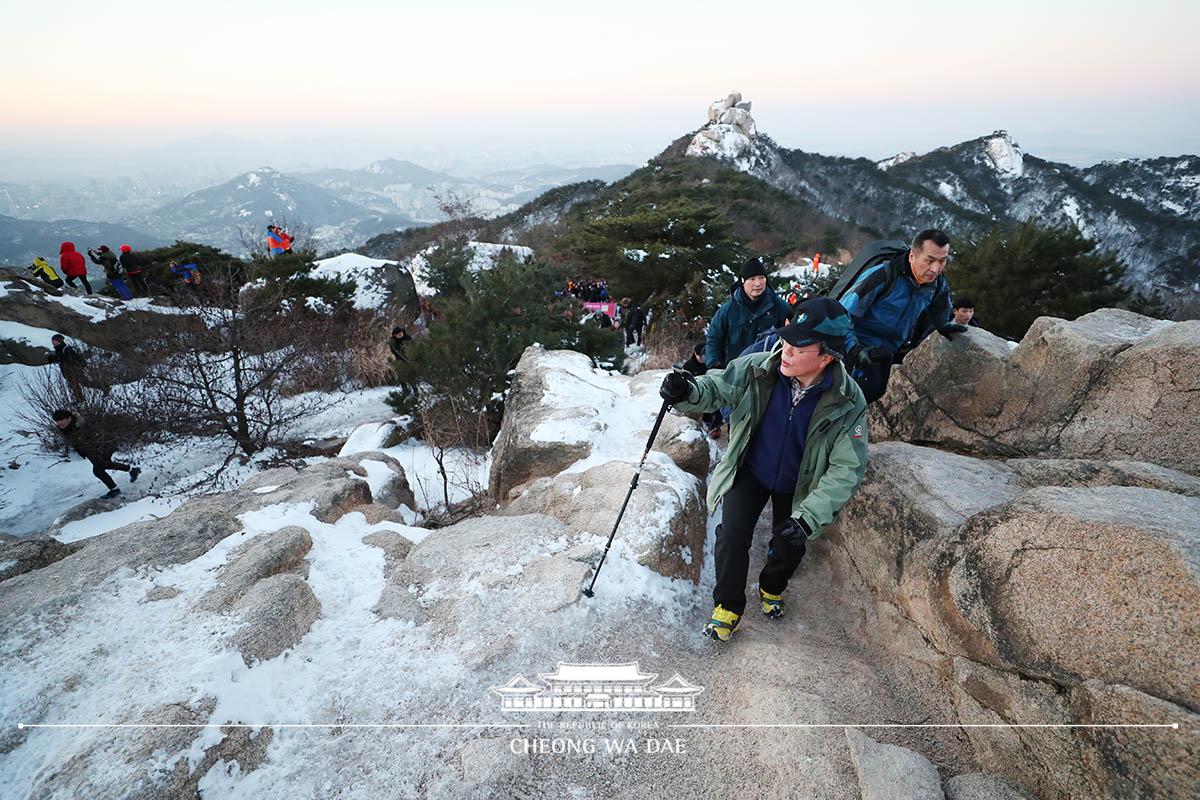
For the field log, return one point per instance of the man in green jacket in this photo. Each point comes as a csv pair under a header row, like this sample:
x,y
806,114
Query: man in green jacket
x,y
798,437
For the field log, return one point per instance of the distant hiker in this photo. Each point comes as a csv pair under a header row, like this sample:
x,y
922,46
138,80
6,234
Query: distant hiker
x,y
885,302
799,440
398,342
188,274
630,317
112,270
964,312
42,270
274,241
93,445
695,366
284,237
752,308
73,266
70,362
132,264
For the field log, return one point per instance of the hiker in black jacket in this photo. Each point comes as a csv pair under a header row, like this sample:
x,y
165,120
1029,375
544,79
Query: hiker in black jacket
x,y
70,362
696,366
398,342
93,445
131,263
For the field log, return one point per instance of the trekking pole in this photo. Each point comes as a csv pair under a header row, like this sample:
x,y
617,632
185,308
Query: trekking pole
x,y
662,412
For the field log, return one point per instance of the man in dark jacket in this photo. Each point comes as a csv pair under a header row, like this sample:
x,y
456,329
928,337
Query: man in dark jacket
x,y
886,302
93,445
131,263
107,259
797,438
70,362
632,320
398,342
752,308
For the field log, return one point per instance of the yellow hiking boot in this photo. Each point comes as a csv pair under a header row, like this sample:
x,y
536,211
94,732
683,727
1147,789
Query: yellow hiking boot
x,y
772,604
722,624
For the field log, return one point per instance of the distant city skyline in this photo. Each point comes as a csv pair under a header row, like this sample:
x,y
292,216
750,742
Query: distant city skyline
x,y
469,85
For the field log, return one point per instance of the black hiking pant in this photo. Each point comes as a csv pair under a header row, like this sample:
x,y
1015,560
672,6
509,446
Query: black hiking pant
x,y
873,380
100,466
139,285
740,509
87,287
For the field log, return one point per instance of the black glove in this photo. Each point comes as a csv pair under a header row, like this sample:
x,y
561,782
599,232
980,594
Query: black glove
x,y
864,356
796,532
952,329
676,387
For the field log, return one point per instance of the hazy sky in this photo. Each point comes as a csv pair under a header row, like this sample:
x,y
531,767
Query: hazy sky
x,y
458,81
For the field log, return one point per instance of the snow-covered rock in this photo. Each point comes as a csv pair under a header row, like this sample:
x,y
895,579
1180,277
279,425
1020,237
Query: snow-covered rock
x,y
899,158
1005,156
380,284
732,136
571,437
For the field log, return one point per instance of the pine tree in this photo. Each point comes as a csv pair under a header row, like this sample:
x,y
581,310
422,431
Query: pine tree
x,y
1015,274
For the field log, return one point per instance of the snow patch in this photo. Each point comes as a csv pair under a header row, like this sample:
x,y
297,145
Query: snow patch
x,y
899,158
367,273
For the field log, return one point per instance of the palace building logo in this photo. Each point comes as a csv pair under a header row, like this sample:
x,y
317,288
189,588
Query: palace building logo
x,y
598,687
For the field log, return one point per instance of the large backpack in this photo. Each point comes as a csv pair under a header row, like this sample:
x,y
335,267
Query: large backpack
x,y
878,252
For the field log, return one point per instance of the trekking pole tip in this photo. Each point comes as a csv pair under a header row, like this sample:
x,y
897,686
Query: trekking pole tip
x,y
588,593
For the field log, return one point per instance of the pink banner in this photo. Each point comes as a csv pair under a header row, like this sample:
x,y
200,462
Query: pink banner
x,y
607,308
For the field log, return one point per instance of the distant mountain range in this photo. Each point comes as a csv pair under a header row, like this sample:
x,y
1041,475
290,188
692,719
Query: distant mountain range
x,y
23,239
1146,211
341,208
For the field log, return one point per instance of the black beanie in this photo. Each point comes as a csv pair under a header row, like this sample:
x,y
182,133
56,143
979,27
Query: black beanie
x,y
753,266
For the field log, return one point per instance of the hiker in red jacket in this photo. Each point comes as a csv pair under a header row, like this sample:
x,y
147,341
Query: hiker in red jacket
x,y
73,265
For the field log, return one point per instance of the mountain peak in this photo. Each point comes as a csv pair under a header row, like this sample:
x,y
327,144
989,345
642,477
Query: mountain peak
x,y
731,135
1004,154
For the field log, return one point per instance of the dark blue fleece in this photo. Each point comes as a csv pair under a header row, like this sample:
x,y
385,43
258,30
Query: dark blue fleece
x,y
777,448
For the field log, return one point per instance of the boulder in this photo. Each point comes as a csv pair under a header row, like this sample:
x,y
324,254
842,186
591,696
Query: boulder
x,y
263,556
1016,600
152,762
1071,584
334,488
1034,472
525,565
559,411
385,476
1109,385
886,772
664,525
25,555
1137,762
536,438
682,440
188,532
276,613
978,786
1046,761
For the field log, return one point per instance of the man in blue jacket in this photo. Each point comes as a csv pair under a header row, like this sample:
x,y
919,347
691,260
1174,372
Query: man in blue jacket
x,y
885,302
752,308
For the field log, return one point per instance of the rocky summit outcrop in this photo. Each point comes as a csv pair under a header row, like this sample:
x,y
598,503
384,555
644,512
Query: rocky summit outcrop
x,y
571,439
36,311
732,135
1109,385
